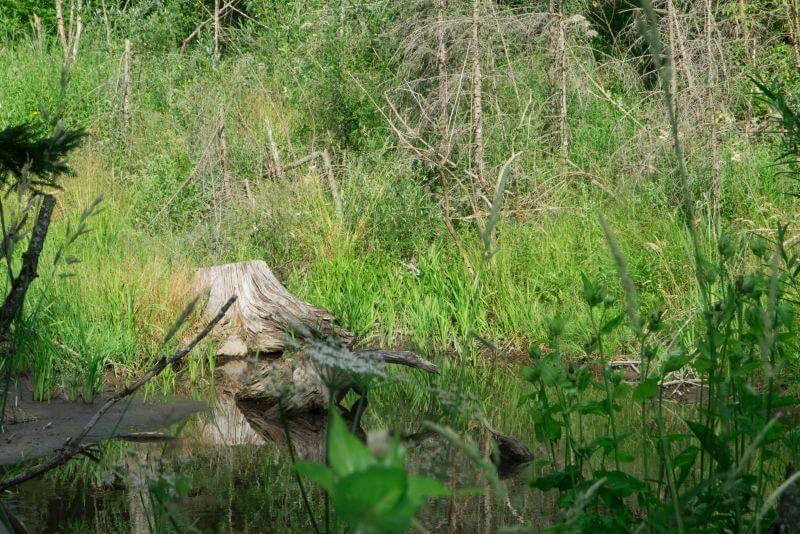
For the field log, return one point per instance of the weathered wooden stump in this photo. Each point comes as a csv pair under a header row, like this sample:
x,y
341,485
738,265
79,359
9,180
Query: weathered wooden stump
x,y
258,321
283,366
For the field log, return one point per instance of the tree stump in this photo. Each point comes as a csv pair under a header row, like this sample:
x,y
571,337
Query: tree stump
x,y
256,328
257,322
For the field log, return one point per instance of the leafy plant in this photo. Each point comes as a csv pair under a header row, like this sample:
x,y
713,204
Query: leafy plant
x,y
786,121
369,486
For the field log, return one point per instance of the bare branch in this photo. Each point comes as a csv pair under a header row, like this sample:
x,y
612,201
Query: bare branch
x,y
74,445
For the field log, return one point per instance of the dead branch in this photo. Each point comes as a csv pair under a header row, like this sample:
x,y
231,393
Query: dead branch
x,y
203,24
327,168
273,147
403,357
74,445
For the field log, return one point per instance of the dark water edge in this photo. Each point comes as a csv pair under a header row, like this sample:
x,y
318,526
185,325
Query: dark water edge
x,y
230,471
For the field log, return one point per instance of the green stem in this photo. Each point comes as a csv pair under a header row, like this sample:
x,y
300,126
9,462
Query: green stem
x,y
297,478
673,488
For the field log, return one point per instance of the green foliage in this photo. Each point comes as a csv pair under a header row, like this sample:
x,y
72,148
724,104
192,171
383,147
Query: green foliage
x,y
787,123
370,488
388,269
30,161
717,483
16,16
747,315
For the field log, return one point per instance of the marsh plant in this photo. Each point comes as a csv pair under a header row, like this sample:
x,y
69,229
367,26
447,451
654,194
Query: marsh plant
x,y
712,465
369,486
709,465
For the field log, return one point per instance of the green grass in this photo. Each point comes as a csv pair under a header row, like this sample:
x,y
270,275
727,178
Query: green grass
x,y
385,266
135,273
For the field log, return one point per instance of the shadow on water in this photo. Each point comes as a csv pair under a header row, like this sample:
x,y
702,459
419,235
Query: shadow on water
x,y
230,471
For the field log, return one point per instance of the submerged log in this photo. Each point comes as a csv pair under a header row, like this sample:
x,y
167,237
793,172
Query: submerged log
x,y
285,367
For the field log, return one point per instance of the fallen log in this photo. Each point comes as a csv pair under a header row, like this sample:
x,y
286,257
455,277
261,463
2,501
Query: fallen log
x,y
296,349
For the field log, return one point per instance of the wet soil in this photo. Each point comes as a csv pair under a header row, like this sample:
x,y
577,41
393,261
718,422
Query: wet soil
x,y
35,429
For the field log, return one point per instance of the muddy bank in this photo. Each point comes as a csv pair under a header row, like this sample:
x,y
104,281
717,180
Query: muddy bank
x,y
35,429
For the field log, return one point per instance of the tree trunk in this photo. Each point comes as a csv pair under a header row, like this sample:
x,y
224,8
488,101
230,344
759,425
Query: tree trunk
x,y
794,28
216,28
745,32
673,75
29,270
561,66
441,61
76,37
126,88
680,43
62,34
477,99
557,76
257,323
443,134
716,192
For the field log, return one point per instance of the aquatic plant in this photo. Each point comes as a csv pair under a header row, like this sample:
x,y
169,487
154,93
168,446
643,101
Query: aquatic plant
x,y
369,485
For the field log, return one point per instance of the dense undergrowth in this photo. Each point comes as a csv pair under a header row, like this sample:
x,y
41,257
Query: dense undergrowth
x,y
386,265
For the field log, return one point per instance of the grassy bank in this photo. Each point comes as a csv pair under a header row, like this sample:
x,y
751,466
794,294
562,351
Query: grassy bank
x,y
386,267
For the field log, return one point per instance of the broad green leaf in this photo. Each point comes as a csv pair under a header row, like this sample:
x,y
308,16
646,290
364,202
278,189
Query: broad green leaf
x,y
321,474
547,428
346,453
583,377
646,390
550,370
603,442
621,482
610,325
675,362
684,461
562,480
686,457
712,444
530,374
592,408
368,496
